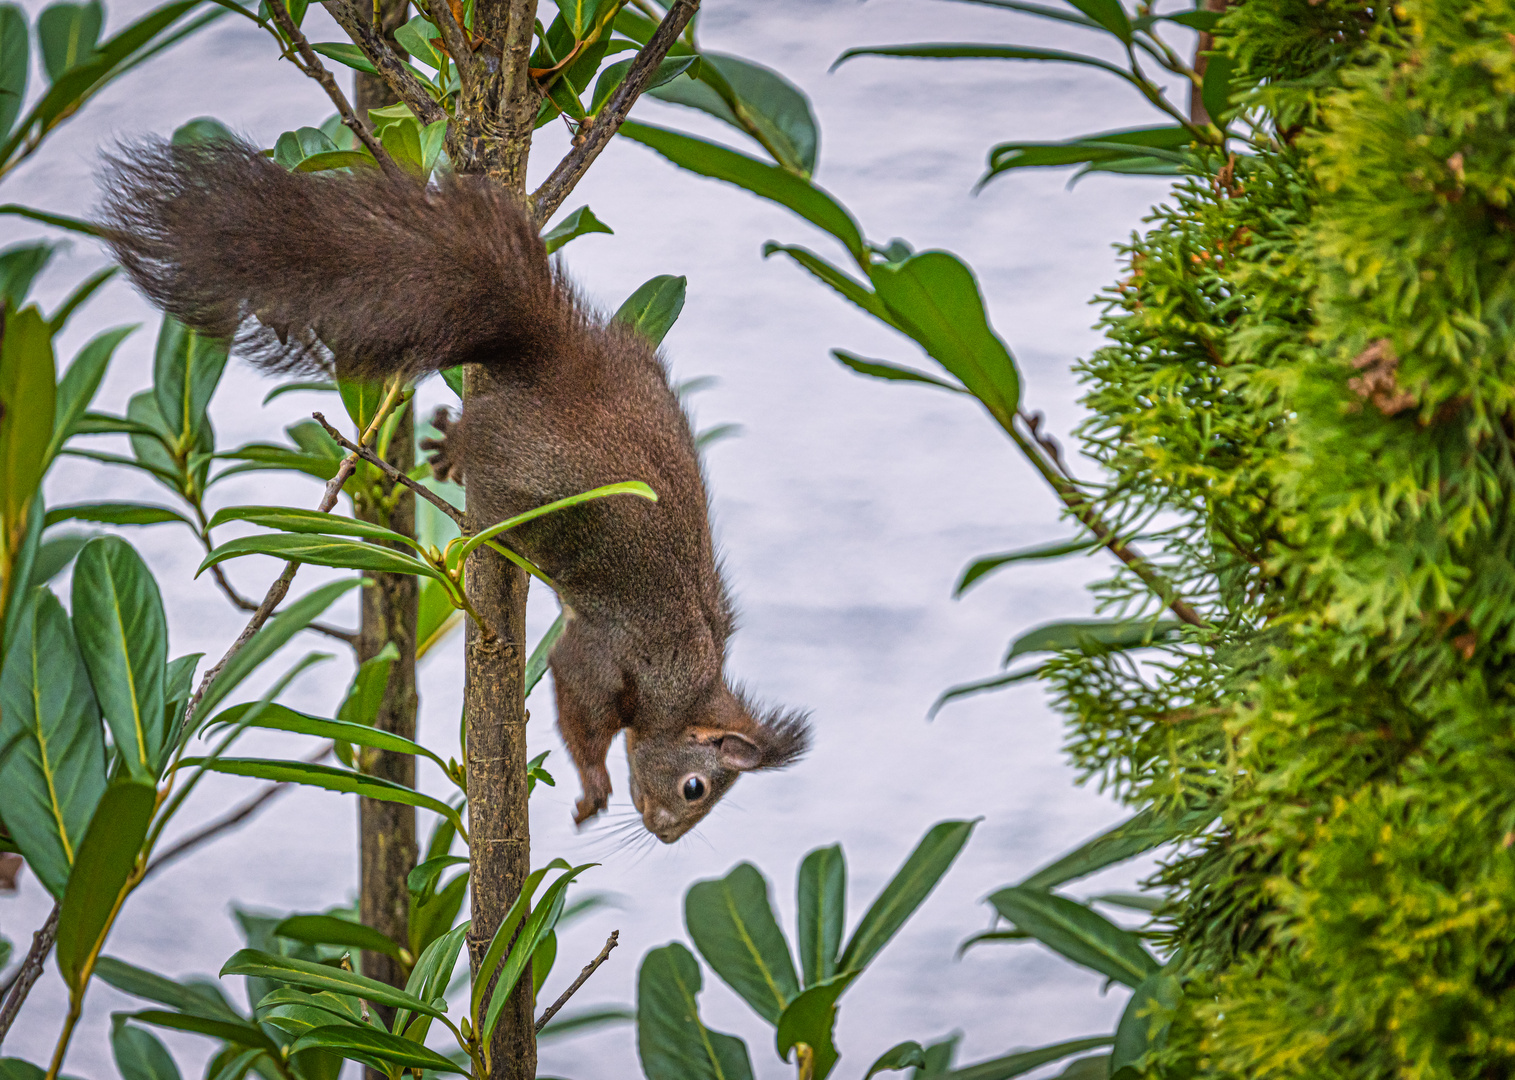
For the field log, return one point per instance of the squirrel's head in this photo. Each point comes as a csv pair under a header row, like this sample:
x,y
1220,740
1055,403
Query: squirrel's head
x,y
676,781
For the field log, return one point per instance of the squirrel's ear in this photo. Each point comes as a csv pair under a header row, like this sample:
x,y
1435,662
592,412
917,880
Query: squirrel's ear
x,y
739,752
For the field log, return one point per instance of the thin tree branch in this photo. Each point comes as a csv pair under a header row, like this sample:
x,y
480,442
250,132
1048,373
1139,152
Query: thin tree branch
x,y
244,604
391,69
31,970
394,474
589,969
229,820
454,39
309,63
588,144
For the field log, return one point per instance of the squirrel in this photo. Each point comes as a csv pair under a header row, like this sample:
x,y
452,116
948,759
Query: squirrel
x,y
379,276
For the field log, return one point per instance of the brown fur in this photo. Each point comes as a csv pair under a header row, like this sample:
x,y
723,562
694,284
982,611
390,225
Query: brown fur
x,y
387,276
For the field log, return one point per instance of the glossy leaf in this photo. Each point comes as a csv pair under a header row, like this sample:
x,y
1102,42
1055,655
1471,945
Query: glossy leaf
x,y
1220,76
731,922
265,457
1162,144
16,1069
21,263
123,637
345,53
903,1055
1024,1061
423,877
935,299
187,367
274,717
757,101
1144,1022
844,283
116,513
237,1032
973,51
67,34
331,930
654,307
768,181
268,640
365,697
140,1055
200,998
433,969
54,554
811,1019
329,778
1076,931
53,770
16,576
15,64
668,69
286,969
906,891
579,223
417,37
536,664
980,686
979,569
822,904
312,522
1094,636
1094,1067
1141,832
105,861
534,928
1109,14
375,1044
672,1041
881,369
626,487
27,392
320,551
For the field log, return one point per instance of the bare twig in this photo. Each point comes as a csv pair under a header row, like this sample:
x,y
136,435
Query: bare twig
x,y
454,38
589,969
393,473
391,69
229,820
588,144
309,63
30,972
244,604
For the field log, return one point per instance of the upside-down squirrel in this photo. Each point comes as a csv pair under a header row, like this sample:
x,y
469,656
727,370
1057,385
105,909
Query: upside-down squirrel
x,y
386,276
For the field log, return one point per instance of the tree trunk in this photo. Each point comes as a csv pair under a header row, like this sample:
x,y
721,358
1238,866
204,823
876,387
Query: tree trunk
x,y
493,137
387,831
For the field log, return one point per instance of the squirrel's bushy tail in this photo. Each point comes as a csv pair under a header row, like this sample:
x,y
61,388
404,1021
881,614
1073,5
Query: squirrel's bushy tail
x,y
385,274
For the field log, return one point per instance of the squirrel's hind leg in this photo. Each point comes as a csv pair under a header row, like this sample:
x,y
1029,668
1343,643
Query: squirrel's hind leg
x,y
447,459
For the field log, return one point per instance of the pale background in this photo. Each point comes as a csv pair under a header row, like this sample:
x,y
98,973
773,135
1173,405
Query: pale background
x,y
845,511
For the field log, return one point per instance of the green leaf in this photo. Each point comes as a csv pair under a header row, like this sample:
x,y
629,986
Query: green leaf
x,y
731,922
320,385
1141,832
768,181
844,283
105,861
123,636
424,876
453,377
321,551
579,15
1024,1061
626,487
200,131
55,554
972,51
935,299
668,69
1132,901
1094,636
822,903
273,717
79,297
1109,14
237,1032
337,159
903,1055
1076,931
15,64
881,369
536,665
654,307
362,398
201,998
534,929
906,891
579,223
672,1041
15,1068
811,1019
329,778
67,34
139,1054
23,558
375,1044
1095,1067
365,697
346,53
1165,143
21,263
757,101
187,367
436,618
267,641
1220,77
994,682
27,391
1144,1023
261,457
542,959
330,930
80,382
116,513
54,776
286,969
293,520
416,38
983,567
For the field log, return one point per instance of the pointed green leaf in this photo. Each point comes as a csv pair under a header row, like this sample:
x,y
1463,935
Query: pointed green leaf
x,y
53,768
672,1041
191,997
668,69
971,51
822,896
346,1041
68,34
187,367
654,307
906,891
757,101
994,682
293,520
731,922
1138,833
579,223
534,929
105,861
1109,14
1024,1061
810,1019
315,976
274,717
237,1032
903,1055
27,391
844,283
1094,636
346,53
981,568
330,930
536,664
140,1055
21,263
123,636
881,369
54,555
626,487
116,513
1078,932
15,64
321,551
1144,1022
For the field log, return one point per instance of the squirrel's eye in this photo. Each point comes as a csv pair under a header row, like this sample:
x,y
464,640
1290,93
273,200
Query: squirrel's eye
x,y
694,788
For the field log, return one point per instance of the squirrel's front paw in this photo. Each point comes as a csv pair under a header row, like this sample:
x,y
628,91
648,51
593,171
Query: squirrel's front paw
x,y
588,806
445,463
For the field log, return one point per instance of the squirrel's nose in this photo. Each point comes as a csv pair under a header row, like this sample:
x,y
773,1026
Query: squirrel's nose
x,y
664,824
